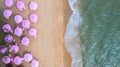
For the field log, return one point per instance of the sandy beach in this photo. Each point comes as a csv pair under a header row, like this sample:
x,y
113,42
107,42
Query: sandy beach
x,y
49,47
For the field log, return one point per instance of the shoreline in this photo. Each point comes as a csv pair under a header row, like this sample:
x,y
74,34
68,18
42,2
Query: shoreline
x,y
72,35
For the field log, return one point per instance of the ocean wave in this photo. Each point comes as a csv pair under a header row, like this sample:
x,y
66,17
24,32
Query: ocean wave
x,y
72,37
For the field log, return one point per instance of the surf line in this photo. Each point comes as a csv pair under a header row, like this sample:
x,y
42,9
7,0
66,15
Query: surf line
x,y
72,36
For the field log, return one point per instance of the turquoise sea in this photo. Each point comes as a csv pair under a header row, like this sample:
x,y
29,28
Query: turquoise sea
x,y
99,31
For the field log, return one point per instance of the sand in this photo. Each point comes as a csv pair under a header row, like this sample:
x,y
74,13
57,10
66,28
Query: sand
x,y
49,47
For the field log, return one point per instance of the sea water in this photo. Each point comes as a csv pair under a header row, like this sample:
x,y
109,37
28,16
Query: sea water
x,y
94,37
100,33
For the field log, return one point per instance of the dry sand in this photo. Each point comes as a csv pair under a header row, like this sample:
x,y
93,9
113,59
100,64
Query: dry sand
x,y
49,47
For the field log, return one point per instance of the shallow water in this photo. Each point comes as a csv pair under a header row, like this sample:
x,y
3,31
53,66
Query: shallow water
x,y
100,33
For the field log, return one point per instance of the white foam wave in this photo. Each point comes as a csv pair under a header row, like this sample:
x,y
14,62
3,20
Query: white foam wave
x,y
72,37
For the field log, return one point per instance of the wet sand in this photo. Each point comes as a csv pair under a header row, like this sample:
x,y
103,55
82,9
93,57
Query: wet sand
x,y
49,47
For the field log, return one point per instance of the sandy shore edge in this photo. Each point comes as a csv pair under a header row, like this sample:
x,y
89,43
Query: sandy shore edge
x,y
72,36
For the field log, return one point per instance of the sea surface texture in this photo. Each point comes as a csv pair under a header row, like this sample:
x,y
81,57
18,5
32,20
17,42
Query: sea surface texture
x,y
72,37
100,33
